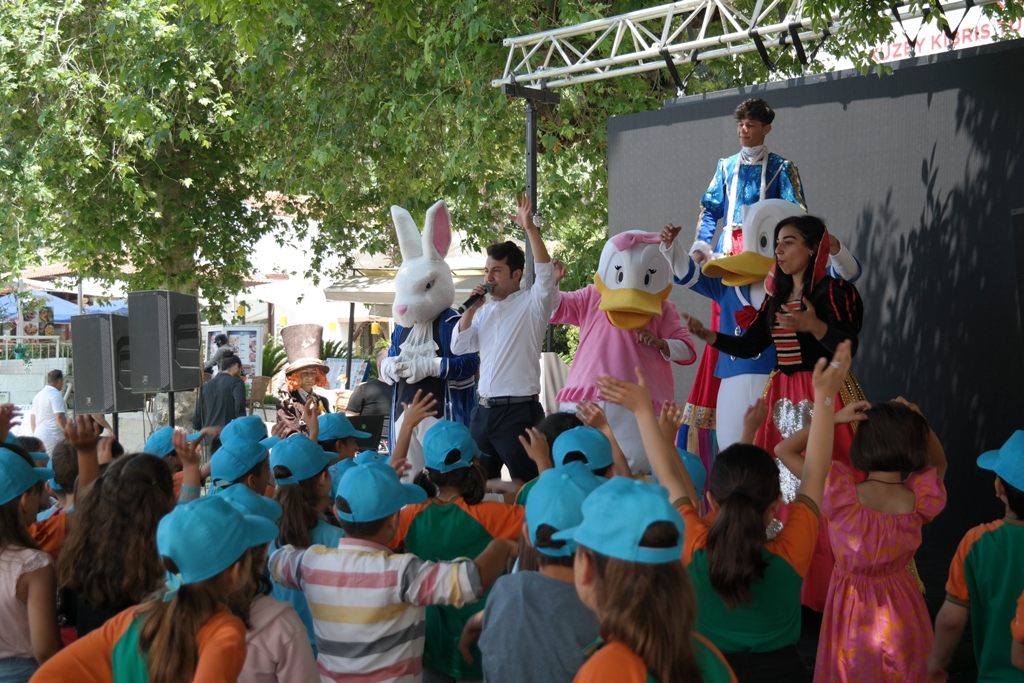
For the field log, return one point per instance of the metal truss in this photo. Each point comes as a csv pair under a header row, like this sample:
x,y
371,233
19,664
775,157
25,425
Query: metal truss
x,y
679,33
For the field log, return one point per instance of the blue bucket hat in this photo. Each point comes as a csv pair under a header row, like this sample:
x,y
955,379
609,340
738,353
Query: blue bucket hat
x,y
616,516
444,437
207,536
233,459
374,492
337,426
303,458
1008,461
159,442
592,444
248,428
557,500
17,476
248,502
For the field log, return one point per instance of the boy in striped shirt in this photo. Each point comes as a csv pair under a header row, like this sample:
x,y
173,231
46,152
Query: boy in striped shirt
x,y
369,604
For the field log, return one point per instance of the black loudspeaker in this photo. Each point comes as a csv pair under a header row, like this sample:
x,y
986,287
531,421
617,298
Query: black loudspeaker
x,y
165,341
102,359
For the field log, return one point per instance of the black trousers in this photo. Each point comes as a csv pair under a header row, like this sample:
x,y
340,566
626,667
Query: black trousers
x,y
778,666
497,430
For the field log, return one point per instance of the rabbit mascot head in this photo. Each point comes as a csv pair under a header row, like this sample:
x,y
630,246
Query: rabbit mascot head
x,y
420,357
423,286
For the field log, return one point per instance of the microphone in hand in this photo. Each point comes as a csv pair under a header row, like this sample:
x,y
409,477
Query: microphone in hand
x,y
471,301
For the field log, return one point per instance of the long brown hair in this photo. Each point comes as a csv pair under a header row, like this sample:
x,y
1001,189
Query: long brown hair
x,y
299,503
256,584
811,229
744,483
650,608
12,532
110,557
169,629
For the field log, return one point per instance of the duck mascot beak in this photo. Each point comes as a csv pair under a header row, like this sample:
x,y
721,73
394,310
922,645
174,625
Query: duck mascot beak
x,y
633,279
758,256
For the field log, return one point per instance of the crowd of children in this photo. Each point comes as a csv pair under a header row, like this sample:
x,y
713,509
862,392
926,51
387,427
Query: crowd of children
x,y
306,561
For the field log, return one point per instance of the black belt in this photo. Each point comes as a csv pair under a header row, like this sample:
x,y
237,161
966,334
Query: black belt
x,y
505,400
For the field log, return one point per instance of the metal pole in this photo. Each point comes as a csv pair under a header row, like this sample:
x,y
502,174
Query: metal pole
x,y
351,335
81,308
531,180
170,408
116,426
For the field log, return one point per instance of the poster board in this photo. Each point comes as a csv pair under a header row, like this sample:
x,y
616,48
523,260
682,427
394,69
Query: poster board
x,y
246,341
336,374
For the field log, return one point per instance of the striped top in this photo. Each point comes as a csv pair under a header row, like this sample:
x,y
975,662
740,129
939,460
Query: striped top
x,y
369,605
835,301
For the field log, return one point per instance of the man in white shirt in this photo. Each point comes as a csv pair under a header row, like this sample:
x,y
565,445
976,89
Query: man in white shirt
x,y
507,332
48,418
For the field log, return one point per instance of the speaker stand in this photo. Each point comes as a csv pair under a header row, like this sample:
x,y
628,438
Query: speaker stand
x,y
116,427
170,408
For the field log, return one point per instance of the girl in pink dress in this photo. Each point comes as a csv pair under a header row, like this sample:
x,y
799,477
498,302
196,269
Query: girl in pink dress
x,y
876,626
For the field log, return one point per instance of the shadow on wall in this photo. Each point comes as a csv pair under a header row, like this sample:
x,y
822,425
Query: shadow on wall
x,y
942,322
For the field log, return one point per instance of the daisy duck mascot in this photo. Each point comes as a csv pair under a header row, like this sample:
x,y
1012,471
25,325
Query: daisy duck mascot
x,y
626,321
420,356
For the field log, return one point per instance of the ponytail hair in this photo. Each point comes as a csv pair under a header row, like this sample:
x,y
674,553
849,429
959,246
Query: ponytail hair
x,y
170,626
651,608
299,504
471,482
744,483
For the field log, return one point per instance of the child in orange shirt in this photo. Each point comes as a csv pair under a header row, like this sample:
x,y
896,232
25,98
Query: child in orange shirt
x,y
185,632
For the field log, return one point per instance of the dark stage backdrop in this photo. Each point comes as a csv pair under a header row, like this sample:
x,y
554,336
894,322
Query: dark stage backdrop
x,y
917,173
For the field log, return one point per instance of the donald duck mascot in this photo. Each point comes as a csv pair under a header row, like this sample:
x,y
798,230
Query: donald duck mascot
x,y
626,321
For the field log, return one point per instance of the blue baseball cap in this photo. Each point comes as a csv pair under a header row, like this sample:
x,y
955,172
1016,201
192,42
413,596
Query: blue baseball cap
x,y
337,471
248,428
695,467
17,476
248,502
557,500
1008,461
208,535
616,516
373,492
55,486
303,458
444,437
159,442
40,458
589,442
372,458
337,426
233,459
11,438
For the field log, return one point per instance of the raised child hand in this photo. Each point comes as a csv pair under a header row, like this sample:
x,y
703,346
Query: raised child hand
x,y
537,447
188,453
829,376
670,420
632,397
592,415
8,418
83,433
421,408
753,419
853,413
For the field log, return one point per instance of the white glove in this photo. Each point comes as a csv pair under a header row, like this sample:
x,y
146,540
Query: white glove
x,y
389,370
421,367
701,252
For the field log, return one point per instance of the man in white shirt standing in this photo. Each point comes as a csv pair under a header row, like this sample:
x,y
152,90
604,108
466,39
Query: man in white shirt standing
x,y
508,331
48,418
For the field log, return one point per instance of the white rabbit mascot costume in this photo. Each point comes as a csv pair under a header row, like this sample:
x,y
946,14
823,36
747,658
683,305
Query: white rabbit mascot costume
x,y
420,356
629,294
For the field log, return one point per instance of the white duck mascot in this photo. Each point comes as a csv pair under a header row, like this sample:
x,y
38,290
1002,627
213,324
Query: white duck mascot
x,y
626,321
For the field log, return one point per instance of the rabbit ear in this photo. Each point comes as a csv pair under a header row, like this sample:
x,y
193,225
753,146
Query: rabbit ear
x,y
408,233
437,231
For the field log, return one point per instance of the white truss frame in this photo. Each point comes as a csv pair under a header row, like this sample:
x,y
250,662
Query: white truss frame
x,y
565,56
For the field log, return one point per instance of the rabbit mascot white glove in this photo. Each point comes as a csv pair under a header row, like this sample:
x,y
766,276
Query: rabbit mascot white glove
x,y
626,321
420,356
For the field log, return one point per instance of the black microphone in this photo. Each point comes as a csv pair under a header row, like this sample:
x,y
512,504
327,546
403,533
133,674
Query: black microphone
x,y
488,287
